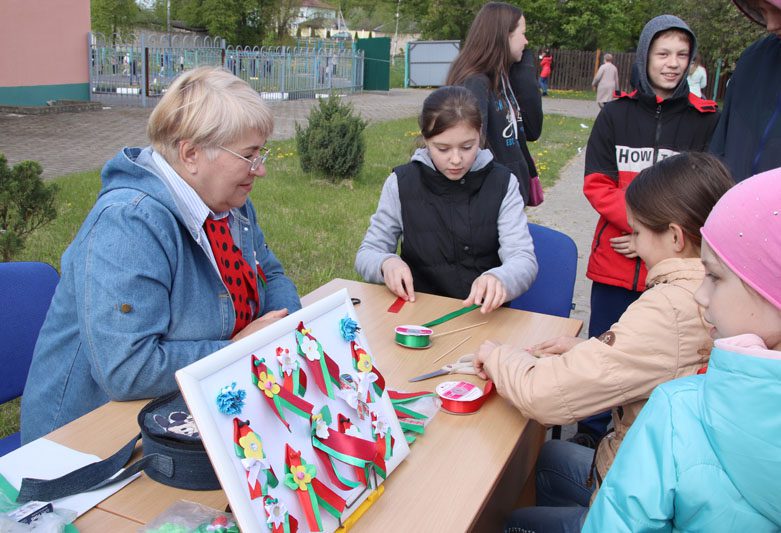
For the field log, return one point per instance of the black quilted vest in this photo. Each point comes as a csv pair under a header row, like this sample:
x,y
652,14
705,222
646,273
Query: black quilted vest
x,y
450,227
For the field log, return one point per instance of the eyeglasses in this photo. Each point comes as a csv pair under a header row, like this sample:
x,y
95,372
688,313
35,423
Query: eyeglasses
x,y
254,163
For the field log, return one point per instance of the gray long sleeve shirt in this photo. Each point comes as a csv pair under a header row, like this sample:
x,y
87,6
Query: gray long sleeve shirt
x,y
516,250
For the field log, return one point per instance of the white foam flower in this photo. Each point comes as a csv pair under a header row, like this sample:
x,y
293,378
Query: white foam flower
x,y
321,429
276,513
381,427
353,431
287,362
311,349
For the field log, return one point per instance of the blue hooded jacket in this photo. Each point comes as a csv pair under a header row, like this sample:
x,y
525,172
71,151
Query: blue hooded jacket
x,y
138,299
705,452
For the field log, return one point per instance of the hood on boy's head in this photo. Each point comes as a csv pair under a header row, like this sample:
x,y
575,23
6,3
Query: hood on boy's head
x,y
655,26
750,9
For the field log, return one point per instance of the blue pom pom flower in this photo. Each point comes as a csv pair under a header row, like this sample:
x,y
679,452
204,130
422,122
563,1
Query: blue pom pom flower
x,y
230,400
348,328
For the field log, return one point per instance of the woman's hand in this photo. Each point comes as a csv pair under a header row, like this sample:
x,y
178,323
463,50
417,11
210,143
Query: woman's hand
x,y
556,346
398,278
623,245
488,292
260,323
482,355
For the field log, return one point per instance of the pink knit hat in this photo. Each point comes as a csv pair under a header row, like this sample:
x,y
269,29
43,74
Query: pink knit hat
x,y
744,230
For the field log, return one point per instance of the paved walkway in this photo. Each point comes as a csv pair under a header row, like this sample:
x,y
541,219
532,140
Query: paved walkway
x,y
77,142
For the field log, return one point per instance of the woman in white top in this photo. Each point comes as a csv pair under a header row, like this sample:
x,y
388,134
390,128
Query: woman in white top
x,y
698,77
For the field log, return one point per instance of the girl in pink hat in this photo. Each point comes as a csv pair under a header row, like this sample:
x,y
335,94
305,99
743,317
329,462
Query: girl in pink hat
x,y
705,452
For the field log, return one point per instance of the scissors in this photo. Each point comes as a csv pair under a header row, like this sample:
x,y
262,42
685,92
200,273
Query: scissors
x,y
464,365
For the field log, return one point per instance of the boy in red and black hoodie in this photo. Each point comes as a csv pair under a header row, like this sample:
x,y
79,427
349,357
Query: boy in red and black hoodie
x,y
657,120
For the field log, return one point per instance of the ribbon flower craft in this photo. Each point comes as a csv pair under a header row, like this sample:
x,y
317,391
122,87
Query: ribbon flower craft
x,y
368,373
278,518
293,379
348,328
277,397
383,438
312,493
249,448
325,369
330,446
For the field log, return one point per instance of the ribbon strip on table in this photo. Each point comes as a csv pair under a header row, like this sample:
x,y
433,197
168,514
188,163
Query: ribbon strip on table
x,y
369,374
396,306
381,432
276,396
278,519
333,445
249,448
311,492
292,378
450,316
467,407
325,369
399,399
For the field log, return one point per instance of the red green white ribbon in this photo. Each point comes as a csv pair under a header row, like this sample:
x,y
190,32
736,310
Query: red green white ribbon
x,y
312,493
325,369
249,448
368,373
277,516
330,445
292,378
381,432
400,399
277,397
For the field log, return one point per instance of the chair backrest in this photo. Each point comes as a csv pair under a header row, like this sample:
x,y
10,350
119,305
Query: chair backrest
x,y
26,290
557,257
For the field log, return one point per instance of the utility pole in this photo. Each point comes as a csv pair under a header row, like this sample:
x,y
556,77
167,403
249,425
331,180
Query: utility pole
x,y
396,34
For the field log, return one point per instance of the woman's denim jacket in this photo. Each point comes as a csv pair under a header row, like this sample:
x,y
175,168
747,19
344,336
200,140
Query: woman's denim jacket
x,y
138,299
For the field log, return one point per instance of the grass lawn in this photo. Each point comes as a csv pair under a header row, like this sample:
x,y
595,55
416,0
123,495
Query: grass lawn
x,y
314,226
572,94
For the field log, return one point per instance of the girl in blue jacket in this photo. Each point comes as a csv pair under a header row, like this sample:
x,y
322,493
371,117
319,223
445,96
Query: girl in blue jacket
x,y
704,454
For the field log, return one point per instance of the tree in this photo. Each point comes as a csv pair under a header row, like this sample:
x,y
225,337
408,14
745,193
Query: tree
x,y
26,204
113,17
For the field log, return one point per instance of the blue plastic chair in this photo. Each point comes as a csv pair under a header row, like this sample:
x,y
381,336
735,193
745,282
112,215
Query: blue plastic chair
x,y
551,293
557,257
26,290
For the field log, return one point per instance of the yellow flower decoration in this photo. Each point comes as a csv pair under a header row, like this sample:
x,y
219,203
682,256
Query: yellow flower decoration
x,y
253,448
268,384
301,477
364,363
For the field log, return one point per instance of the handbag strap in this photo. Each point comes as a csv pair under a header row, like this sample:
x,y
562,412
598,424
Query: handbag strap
x,y
94,475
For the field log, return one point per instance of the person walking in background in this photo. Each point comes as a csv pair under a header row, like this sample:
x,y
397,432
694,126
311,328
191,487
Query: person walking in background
x,y
632,133
748,137
606,81
546,65
698,76
495,65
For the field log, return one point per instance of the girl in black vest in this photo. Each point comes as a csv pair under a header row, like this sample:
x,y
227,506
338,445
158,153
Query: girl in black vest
x,y
457,213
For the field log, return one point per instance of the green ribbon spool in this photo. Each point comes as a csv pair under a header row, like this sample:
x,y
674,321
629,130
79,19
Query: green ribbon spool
x,y
413,341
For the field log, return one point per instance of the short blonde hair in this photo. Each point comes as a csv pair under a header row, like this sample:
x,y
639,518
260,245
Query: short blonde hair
x,y
210,107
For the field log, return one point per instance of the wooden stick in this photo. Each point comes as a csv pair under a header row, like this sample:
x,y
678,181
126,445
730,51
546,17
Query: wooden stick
x,y
451,349
457,330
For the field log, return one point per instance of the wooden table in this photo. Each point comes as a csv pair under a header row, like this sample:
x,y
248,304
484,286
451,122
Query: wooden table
x,y
465,473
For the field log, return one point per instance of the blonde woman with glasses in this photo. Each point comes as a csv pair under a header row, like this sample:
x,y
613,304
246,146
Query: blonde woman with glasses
x,y
170,264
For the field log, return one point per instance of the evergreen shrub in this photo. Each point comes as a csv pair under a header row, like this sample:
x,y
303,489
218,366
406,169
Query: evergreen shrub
x,y
332,144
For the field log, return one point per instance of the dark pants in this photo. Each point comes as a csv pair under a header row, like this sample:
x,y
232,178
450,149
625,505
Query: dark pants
x,y
608,303
561,474
544,85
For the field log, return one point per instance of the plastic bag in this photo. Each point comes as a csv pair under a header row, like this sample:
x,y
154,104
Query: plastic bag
x,y
191,517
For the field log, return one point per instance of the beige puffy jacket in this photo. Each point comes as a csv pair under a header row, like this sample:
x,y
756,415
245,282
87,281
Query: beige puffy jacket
x,y
660,337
